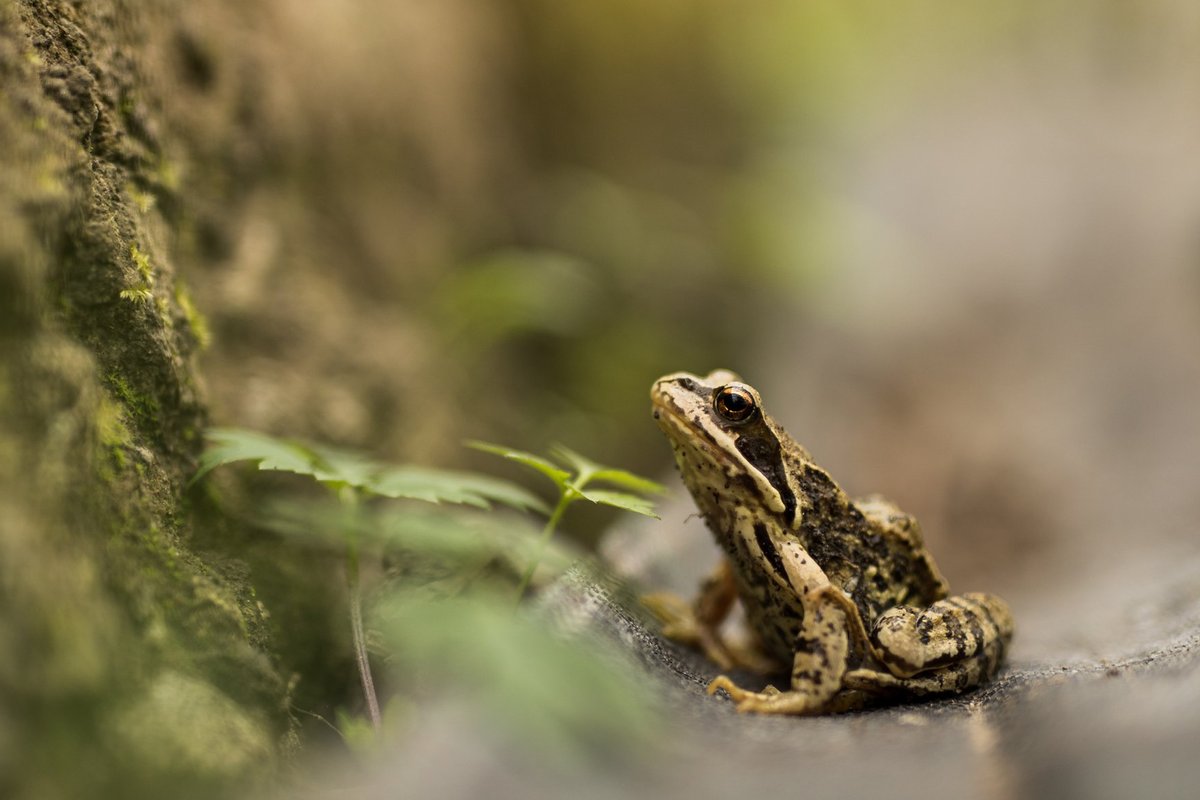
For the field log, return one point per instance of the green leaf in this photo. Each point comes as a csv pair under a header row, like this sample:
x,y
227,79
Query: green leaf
x,y
341,467
336,467
456,535
357,732
537,463
628,480
581,464
360,735
629,502
228,445
442,486
325,464
592,471
556,695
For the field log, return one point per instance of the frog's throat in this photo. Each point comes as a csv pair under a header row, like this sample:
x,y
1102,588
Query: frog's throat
x,y
718,446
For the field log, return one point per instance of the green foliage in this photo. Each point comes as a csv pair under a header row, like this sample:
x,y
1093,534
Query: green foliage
x,y
585,472
451,535
444,621
564,697
571,488
340,469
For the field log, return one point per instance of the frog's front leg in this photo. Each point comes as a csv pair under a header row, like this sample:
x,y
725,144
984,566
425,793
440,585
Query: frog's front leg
x,y
698,623
830,625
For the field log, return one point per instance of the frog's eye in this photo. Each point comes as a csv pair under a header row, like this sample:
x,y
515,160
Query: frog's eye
x,y
734,403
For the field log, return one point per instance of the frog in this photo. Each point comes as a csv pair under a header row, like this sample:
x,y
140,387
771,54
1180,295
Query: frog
x,y
842,592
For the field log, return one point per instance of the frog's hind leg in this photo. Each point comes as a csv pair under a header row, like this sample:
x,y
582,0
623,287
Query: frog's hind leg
x,y
969,628
822,648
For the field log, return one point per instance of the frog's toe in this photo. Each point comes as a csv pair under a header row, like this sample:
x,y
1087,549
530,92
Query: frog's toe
x,y
751,705
735,692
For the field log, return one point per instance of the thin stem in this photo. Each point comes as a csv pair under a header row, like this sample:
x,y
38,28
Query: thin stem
x,y
349,500
547,532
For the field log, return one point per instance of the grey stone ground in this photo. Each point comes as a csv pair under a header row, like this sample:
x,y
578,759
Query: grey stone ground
x,y
1110,711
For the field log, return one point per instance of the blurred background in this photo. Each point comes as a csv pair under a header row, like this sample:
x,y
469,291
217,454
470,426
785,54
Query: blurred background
x,y
957,248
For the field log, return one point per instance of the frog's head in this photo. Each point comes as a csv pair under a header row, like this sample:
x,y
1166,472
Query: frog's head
x,y
724,441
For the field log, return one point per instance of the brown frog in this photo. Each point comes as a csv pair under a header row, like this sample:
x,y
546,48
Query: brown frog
x,y
842,590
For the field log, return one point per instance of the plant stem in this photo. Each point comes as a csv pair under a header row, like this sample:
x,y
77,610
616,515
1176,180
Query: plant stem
x,y
349,500
547,532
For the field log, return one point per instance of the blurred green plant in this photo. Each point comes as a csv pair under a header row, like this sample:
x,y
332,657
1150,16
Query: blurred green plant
x,y
571,487
445,613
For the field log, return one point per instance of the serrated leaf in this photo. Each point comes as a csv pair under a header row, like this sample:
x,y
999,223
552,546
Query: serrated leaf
x,y
472,485
343,467
629,502
559,476
336,467
229,445
442,486
325,464
628,480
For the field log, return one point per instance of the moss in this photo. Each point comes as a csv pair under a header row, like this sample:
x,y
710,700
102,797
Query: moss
x,y
140,405
113,434
144,201
143,291
132,663
141,262
196,322
137,295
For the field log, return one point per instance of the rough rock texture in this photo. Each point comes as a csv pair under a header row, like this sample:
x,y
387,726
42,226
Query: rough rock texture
x,y
1120,721
132,658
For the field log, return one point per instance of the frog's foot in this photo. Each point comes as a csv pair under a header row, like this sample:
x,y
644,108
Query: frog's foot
x,y
818,665
769,701
735,692
679,624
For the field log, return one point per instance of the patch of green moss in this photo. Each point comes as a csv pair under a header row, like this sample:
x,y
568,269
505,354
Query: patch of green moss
x,y
143,200
142,406
143,291
138,295
142,262
113,434
197,324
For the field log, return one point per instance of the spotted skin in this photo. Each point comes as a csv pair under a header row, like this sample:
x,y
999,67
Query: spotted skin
x,y
842,590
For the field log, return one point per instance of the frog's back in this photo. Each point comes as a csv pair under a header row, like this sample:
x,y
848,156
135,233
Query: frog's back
x,y
870,549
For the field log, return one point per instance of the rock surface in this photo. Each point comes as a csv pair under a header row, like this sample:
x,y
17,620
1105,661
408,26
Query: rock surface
x,y
1115,713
